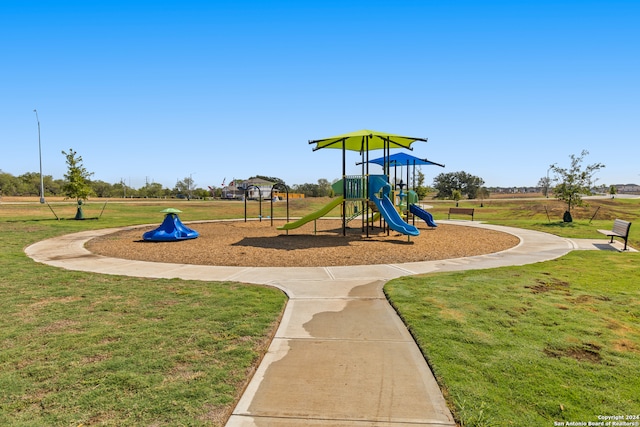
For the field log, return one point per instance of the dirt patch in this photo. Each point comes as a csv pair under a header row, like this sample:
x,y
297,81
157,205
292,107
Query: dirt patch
x,y
585,353
542,286
625,345
259,244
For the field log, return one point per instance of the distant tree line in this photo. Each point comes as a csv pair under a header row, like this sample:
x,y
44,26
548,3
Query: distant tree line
x,y
321,189
571,184
28,184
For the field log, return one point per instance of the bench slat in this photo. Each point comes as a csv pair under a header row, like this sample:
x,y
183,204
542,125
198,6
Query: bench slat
x,y
461,210
465,211
620,229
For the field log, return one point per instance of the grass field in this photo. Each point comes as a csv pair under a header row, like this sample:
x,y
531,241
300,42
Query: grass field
x,y
523,346
554,341
540,345
88,349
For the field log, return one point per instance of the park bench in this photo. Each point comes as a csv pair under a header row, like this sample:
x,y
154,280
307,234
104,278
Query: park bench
x,y
461,211
620,229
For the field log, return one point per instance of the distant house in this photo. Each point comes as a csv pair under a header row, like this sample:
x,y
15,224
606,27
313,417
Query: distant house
x,y
233,190
628,188
255,188
515,190
620,189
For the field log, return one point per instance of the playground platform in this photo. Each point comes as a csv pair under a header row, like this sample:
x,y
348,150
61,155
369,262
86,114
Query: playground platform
x,y
341,355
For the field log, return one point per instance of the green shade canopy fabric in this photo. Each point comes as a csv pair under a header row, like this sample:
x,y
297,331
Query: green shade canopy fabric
x,y
171,210
365,140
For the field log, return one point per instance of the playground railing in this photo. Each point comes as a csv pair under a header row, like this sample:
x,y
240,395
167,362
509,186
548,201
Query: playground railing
x,y
355,187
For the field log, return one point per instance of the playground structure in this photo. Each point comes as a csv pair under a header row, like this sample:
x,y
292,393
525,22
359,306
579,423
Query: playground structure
x,y
361,194
171,229
373,193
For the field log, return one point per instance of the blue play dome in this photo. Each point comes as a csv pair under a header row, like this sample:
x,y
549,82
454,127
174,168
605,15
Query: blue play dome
x,y
171,229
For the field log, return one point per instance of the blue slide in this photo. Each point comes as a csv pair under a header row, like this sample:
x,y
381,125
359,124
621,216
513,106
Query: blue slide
x,y
386,208
421,213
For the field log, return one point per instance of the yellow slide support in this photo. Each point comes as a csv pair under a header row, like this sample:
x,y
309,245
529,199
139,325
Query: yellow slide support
x,y
312,216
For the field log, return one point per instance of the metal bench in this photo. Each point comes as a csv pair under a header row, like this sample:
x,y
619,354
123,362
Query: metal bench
x,y
620,229
462,211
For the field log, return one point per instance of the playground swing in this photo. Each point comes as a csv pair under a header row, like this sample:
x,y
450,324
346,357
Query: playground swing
x,y
246,196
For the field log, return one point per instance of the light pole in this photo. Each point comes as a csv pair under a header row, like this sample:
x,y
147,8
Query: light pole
x,y
40,154
548,182
190,184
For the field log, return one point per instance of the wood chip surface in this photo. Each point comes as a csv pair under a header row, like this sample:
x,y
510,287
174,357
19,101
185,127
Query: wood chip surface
x,y
258,244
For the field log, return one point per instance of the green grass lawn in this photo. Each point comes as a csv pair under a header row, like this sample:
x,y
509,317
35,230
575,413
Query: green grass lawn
x,y
88,349
553,341
557,341
546,215
518,346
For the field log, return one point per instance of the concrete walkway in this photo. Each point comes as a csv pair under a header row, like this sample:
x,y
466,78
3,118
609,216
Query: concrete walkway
x,y
341,355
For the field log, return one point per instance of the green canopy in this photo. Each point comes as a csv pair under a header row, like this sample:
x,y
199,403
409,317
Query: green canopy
x,y
171,210
365,140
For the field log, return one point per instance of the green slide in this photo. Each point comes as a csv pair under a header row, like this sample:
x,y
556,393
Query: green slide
x,y
315,215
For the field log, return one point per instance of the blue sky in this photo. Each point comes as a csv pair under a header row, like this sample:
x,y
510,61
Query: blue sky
x,y
161,90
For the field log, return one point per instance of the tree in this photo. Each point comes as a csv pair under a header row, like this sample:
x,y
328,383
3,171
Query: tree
x,y
30,183
483,193
545,184
421,190
77,177
101,188
612,191
8,184
201,193
324,188
464,182
309,190
456,195
321,189
574,182
53,186
119,189
215,192
151,189
185,187
472,186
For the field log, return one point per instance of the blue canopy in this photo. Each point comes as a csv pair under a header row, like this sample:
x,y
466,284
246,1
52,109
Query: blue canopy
x,y
403,159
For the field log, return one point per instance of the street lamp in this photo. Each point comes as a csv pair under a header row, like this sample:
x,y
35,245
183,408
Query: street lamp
x,y
40,154
190,184
548,182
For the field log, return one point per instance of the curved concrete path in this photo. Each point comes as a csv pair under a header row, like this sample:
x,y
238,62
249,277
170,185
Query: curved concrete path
x,y
341,355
